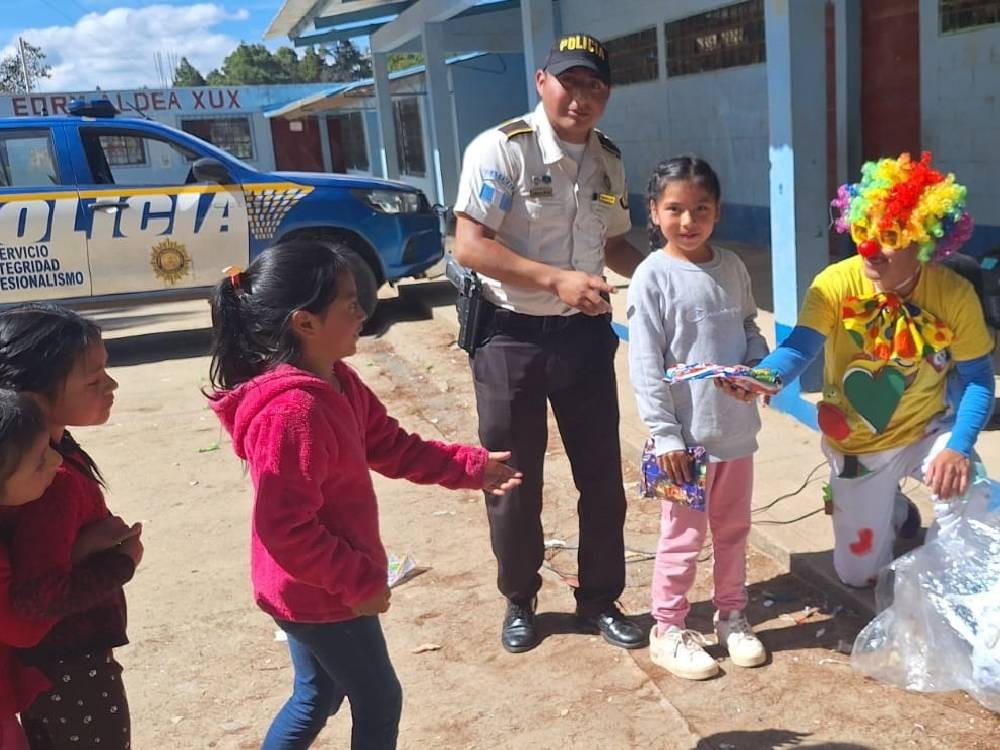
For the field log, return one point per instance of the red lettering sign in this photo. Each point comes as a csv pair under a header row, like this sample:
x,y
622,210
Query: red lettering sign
x,y
140,104
199,99
58,105
158,102
212,102
234,102
174,102
20,105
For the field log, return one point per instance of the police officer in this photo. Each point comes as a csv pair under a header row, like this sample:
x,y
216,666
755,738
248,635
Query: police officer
x,y
542,206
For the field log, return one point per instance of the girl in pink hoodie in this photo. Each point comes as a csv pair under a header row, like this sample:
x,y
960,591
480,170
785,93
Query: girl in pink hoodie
x,y
310,430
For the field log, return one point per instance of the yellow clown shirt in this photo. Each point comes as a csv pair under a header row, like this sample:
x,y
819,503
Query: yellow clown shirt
x,y
887,358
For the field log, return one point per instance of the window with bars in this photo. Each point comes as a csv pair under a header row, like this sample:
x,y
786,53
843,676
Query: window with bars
x,y
958,15
232,134
123,150
352,134
722,38
409,136
634,58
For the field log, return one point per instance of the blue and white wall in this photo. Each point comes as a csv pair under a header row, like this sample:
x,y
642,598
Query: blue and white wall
x,y
960,114
486,91
720,116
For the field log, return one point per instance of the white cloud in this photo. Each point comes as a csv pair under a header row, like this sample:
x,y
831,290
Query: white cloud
x,y
115,49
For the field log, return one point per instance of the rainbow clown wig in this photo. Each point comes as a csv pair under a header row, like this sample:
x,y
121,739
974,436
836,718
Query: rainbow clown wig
x,y
901,203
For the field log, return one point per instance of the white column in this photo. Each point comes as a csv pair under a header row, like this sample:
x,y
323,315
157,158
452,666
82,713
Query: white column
x,y
540,25
797,119
386,121
444,162
324,142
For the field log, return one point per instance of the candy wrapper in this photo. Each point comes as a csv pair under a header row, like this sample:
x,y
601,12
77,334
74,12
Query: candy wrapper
x,y
760,380
402,568
655,484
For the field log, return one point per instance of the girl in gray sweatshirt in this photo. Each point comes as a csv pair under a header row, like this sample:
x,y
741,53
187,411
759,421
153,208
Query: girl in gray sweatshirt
x,y
688,303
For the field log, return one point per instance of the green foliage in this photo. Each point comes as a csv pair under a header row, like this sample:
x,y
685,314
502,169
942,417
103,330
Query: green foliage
x,y
12,72
404,60
348,64
251,64
187,74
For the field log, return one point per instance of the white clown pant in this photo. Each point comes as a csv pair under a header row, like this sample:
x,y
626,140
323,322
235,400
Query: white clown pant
x,y
868,509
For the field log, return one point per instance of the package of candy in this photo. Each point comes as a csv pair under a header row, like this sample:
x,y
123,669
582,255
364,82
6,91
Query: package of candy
x,y
760,380
655,484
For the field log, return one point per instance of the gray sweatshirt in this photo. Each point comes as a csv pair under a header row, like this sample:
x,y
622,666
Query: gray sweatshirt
x,y
686,313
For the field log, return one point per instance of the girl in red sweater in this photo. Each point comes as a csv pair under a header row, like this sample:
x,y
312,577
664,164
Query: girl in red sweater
x,y
61,576
28,464
310,430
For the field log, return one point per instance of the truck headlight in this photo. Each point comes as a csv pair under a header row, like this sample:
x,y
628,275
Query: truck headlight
x,y
392,201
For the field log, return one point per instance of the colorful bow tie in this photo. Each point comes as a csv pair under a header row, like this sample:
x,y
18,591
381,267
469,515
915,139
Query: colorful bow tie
x,y
891,329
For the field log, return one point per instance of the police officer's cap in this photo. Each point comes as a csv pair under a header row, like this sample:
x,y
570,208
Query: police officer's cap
x,y
579,51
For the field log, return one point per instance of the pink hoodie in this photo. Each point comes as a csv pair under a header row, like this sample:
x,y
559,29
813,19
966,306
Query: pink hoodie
x,y
316,551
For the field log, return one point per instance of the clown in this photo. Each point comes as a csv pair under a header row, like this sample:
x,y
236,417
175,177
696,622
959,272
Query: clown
x,y
893,325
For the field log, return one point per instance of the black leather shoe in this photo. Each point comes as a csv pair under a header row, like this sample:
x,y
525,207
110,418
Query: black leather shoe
x,y
519,632
615,627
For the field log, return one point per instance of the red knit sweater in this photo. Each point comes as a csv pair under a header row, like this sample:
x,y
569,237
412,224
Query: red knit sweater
x,y
316,550
86,600
18,685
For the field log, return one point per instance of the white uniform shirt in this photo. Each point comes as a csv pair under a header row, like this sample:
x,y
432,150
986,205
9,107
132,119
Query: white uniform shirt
x,y
520,183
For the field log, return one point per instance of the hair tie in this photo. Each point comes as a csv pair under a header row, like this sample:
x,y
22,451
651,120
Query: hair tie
x,y
235,274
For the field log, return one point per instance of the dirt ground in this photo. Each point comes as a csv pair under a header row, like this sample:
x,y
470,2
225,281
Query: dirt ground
x,y
204,668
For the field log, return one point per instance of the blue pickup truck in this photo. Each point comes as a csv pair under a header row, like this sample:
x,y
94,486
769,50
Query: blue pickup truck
x,y
118,209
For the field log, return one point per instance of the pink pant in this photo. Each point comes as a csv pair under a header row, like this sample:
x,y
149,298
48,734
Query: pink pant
x,y
682,536
11,736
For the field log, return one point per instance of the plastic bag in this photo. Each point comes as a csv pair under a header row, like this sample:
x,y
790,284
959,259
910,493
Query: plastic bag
x,y
939,624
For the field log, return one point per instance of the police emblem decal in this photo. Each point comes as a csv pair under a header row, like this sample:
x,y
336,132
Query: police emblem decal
x,y
170,261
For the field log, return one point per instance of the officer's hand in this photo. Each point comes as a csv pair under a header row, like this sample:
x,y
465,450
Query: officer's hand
x,y
583,291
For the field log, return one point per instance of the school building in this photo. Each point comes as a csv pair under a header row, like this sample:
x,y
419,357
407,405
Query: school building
x,y
786,98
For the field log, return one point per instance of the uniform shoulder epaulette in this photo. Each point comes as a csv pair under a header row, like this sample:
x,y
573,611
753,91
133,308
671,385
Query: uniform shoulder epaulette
x,y
514,127
608,145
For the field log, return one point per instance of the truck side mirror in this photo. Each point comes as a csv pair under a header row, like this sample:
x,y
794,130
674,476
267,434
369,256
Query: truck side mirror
x,y
208,169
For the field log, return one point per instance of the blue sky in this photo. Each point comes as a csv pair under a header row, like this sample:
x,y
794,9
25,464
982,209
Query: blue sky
x,y
111,43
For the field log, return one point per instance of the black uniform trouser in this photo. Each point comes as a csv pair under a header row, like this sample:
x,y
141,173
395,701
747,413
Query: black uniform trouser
x,y
569,362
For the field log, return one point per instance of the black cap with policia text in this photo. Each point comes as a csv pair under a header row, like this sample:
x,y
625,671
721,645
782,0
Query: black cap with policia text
x,y
579,50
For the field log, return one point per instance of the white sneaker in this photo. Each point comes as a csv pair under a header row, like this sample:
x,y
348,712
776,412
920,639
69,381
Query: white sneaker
x,y
745,649
680,652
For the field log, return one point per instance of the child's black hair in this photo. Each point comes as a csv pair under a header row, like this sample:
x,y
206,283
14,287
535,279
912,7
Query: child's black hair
x,y
252,310
21,424
686,168
40,343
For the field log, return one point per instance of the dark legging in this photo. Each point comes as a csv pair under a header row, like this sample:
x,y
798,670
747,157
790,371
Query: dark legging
x,y
86,706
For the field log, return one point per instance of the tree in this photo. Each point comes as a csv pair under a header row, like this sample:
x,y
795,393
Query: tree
x,y
312,67
288,64
348,62
187,75
215,78
252,64
12,72
404,60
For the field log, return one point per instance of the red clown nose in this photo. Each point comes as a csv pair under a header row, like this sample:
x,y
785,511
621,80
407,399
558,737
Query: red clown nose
x,y
869,249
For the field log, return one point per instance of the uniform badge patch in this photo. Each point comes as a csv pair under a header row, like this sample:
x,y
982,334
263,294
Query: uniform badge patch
x,y
493,196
